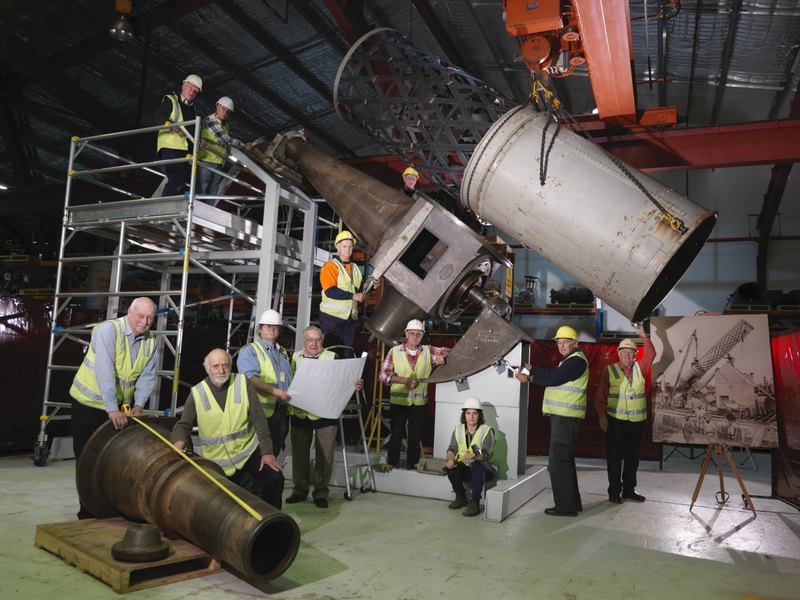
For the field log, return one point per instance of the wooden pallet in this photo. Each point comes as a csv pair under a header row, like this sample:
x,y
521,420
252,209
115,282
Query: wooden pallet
x,y
87,545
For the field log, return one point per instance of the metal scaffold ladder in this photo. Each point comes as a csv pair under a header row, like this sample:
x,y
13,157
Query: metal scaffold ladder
x,y
233,247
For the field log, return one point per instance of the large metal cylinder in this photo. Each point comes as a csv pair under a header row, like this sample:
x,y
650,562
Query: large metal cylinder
x,y
133,474
589,218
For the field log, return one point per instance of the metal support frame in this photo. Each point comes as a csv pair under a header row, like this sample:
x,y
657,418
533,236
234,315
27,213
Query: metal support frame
x,y
178,238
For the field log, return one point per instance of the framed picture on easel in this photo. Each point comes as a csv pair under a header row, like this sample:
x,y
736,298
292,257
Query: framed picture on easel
x,y
712,381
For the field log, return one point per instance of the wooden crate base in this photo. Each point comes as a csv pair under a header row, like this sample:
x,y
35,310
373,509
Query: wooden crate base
x,y
87,545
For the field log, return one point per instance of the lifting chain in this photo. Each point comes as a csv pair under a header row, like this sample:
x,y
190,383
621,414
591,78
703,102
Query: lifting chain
x,y
542,96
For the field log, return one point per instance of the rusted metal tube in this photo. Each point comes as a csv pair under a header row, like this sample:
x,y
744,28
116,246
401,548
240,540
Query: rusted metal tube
x,y
370,208
133,474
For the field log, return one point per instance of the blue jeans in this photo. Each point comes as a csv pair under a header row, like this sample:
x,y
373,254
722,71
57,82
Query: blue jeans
x,y
207,181
478,473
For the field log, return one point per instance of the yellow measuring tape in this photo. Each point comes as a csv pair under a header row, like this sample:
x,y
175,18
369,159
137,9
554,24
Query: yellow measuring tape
x,y
127,409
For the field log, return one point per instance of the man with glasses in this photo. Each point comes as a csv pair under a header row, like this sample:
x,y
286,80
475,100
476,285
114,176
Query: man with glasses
x,y
177,107
266,365
232,429
306,425
406,370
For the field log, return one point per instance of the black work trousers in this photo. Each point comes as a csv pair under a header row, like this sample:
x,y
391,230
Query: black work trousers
x,y
279,428
623,439
84,421
177,173
268,483
561,463
415,417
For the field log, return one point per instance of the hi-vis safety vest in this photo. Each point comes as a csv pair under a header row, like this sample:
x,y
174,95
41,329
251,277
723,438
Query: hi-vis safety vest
x,y
85,388
626,398
297,358
226,436
268,375
169,138
399,393
349,282
568,399
207,152
477,440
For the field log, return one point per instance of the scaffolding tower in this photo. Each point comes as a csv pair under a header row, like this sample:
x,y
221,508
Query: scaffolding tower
x,y
176,242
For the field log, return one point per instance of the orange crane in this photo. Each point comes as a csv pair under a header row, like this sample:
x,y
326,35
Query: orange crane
x,y
558,36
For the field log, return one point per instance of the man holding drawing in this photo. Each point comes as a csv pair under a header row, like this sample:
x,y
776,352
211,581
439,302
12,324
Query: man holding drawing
x,y
306,425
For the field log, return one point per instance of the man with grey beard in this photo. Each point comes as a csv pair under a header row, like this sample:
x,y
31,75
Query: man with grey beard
x,y
232,428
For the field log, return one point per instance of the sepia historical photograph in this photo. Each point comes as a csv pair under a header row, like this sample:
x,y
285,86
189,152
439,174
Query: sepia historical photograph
x,y
712,381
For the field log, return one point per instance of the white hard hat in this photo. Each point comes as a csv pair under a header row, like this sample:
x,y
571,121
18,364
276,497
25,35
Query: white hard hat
x,y
415,324
627,344
226,102
472,402
194,80
270,317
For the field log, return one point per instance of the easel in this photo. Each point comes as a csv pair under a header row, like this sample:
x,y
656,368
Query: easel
x,y
721,496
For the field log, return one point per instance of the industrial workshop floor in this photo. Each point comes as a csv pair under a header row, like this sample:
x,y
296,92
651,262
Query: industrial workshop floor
x,y
390,547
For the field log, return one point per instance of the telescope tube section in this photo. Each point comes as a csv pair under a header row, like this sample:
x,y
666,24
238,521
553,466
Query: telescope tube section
x,y
589,218
131,473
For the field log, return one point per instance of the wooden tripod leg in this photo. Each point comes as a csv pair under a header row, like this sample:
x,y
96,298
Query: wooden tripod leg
x,y
748,502
722,497
702,475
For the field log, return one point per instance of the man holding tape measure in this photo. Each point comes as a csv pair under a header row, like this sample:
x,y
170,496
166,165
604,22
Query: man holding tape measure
x,y
232,428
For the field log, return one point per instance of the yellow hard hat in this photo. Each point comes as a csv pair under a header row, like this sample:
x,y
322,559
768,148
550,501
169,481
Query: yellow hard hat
x,y
411,171
627,344
566,332
344,235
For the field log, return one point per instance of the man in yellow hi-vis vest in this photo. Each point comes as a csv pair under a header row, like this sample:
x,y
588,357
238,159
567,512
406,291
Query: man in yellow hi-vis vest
x,y
232,429
266,365
406,369
173,143
306,425
119,368
340,280
215,144
621,404
565,403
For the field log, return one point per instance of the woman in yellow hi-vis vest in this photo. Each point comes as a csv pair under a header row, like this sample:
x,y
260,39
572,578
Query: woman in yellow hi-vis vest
x,y
470,457
621,405
340,280
406,369
173,143
565,403
119,368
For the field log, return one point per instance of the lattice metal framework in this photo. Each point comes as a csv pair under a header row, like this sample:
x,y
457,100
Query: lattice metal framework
x,y
416,104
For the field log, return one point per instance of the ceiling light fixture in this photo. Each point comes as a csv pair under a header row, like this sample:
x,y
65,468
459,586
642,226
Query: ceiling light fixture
x,y
121,28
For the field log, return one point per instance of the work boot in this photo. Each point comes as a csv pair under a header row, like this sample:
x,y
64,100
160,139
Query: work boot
x,y
459,502
295,498
473,509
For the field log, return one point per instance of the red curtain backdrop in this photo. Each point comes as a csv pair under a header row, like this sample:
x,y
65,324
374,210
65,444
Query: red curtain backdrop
x,y
786,459
591,439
